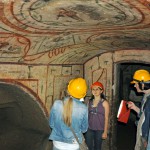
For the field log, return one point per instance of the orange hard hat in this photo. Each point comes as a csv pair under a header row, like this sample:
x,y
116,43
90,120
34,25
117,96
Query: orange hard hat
x,y
97,84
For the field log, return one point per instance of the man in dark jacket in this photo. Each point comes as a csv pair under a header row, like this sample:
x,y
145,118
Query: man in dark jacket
x,y
141,81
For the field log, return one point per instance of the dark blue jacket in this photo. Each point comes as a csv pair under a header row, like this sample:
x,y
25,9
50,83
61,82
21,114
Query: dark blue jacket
x,y
146,123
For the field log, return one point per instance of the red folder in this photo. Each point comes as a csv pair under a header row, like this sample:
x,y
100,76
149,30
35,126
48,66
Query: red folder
x,y
123,112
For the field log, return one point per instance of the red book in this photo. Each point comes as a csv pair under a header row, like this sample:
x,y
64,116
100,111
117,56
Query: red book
x,y
123,112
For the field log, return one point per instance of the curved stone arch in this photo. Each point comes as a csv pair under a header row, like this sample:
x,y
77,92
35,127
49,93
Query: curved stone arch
x,y
23,122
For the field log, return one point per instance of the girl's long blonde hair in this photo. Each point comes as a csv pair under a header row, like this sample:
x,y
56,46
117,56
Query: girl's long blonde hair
x,y
67,111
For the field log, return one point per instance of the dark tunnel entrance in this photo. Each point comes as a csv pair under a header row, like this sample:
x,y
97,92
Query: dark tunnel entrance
x,y
23,123
126,133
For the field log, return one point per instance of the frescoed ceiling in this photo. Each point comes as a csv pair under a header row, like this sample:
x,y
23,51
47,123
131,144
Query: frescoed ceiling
x,y
71,31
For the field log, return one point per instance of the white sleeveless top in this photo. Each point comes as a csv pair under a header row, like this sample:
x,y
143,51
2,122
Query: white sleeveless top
x,y
65,146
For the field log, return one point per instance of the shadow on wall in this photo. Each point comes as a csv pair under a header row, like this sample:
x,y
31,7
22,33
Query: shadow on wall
x,y
23,124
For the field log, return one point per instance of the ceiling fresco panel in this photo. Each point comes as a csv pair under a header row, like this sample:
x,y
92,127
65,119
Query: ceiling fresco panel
x,y
70,31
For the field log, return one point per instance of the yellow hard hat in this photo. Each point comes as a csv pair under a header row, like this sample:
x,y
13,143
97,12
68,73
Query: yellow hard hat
x,y
77,88
141,76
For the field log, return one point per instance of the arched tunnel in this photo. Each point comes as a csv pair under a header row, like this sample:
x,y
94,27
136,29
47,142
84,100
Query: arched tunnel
x,y
23,123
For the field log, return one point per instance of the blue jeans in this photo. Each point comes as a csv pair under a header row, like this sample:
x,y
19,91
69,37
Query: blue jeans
x,y
94,139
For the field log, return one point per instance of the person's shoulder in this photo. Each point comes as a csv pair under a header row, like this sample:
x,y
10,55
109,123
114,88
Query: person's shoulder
x,y
80,104
57,102
84,104
105,102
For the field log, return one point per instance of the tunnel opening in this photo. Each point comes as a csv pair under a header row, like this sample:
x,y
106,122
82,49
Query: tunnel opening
x,y
126,133
23,123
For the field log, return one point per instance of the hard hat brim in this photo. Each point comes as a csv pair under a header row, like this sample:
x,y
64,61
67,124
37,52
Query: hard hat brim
x,y
133,82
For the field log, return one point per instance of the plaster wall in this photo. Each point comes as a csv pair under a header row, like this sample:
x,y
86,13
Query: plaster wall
x,y
47,82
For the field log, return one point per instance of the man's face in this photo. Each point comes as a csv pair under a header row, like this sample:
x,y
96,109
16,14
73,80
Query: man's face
x,y
136,85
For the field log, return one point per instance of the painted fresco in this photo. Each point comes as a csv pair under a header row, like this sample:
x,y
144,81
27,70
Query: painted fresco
x,y
70,31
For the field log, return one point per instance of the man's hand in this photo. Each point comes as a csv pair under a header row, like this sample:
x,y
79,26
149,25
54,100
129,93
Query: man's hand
x,y
131,105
